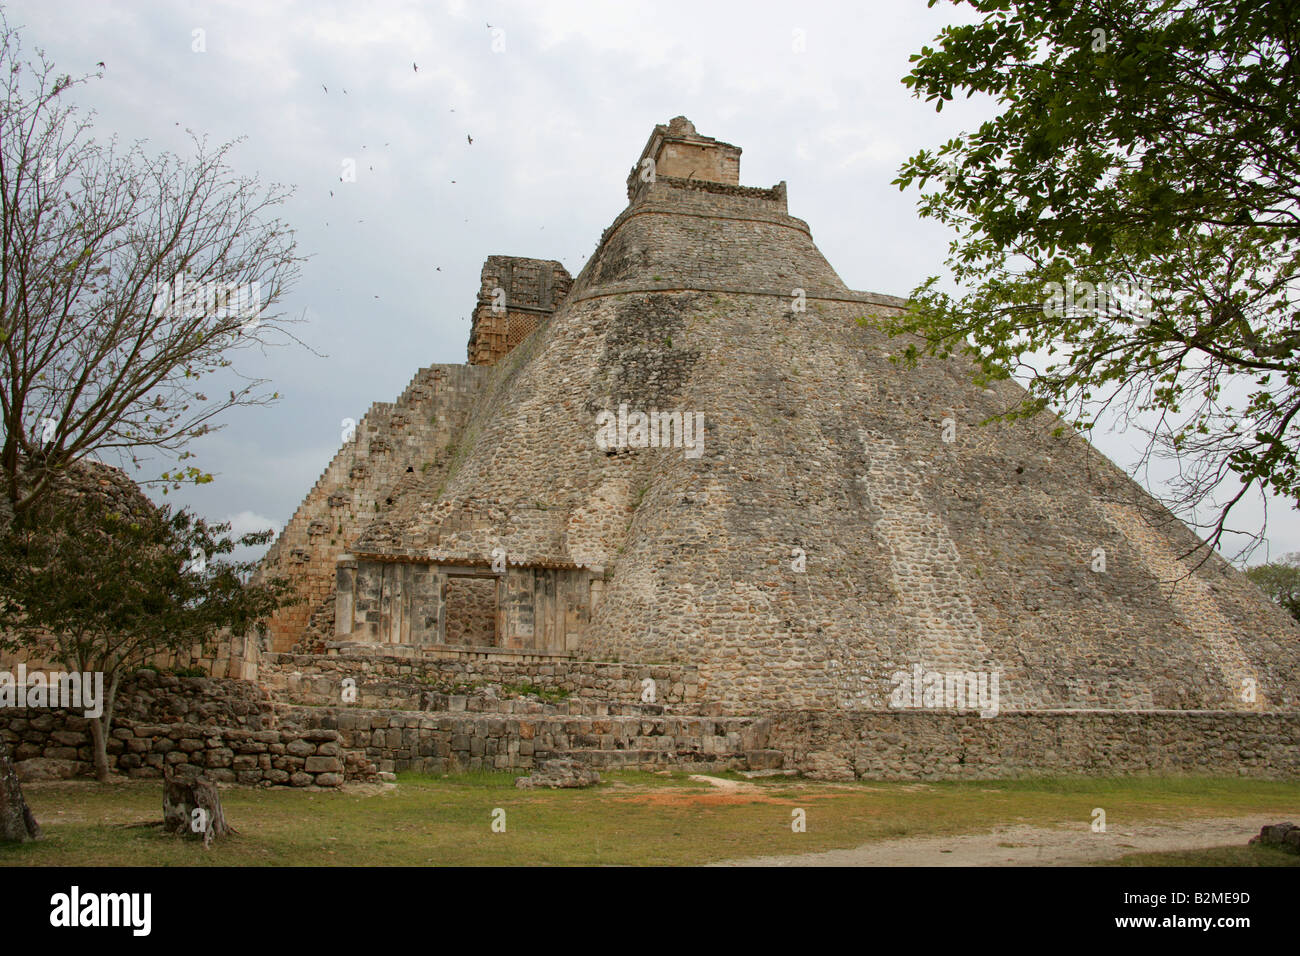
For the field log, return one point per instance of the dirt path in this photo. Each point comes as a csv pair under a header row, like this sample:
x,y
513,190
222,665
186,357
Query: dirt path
x,y
1069,845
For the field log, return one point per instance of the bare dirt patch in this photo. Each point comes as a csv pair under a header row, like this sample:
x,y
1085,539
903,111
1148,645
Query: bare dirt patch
x,y
1069,844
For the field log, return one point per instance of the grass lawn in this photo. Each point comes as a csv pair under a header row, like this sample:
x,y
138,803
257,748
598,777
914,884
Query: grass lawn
x,y
1254,855
631,818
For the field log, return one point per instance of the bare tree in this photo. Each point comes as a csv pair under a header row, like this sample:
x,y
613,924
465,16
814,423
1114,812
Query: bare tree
x,y
127,278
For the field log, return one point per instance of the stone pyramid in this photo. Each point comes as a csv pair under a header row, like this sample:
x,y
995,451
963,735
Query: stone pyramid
x,y
805,521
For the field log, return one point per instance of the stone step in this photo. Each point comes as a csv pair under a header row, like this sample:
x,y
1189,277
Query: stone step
x,y
441,741
318,678
495,725
371,698
639,759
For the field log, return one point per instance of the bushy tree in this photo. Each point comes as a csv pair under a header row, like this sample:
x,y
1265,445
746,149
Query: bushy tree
x,y
1128,227
102,588
1280,580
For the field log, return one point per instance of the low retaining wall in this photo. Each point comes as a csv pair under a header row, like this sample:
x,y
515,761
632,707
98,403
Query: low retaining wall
x,y
440,743
910,745
224,727
56,745
236,734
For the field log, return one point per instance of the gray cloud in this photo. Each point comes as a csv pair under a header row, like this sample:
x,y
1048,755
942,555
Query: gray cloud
x,y
557,117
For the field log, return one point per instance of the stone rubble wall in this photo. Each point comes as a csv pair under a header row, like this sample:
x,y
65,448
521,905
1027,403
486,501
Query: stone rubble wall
x,y
227,728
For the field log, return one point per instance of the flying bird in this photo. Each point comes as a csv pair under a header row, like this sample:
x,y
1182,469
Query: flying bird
x,y
470,138
415,68
100,64
324,87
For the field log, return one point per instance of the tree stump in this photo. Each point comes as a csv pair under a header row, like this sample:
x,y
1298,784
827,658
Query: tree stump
x,y
17,825
192,807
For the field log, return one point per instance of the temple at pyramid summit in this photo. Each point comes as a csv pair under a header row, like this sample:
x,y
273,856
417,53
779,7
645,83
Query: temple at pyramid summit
x,y
697,454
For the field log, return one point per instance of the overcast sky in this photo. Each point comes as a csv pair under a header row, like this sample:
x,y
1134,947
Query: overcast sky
x,y
559,99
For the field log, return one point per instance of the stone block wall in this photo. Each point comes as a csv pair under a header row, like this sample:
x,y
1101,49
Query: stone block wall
x,y
910,745
56,745
225,728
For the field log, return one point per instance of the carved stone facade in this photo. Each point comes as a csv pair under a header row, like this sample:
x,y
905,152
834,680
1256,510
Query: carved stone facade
x,y
515,296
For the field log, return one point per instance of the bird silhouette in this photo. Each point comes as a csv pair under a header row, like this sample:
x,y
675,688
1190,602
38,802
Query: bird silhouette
x,y
324,87
470,138
100,64
415,68
331,192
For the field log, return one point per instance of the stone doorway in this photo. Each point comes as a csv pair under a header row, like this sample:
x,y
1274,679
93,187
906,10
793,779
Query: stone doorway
x,y
471,611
